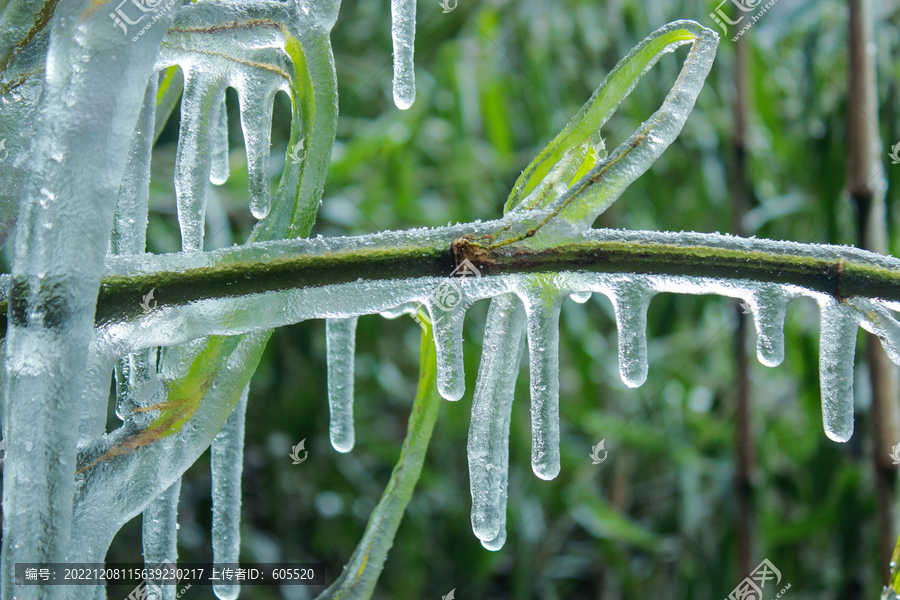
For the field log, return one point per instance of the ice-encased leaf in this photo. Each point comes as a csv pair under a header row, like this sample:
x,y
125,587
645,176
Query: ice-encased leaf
x,y
576,157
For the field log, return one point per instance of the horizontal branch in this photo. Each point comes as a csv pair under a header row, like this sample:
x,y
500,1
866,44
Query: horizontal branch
x,y
245,271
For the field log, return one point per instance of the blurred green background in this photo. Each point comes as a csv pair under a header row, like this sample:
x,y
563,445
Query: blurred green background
x,y
496,80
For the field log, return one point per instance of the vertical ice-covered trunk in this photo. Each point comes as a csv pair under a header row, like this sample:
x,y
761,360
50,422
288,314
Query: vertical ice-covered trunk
x,y
542,309
227,463
67,211
488,445
403,33
837,346
200,107
340,340
159,532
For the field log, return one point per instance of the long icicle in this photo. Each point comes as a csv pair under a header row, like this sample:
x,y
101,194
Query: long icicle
x,y
488,445
543,359
340,343
159,533
227,465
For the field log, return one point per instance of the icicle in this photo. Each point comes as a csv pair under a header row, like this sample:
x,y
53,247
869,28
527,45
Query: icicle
x,y
227,465
340,340
256,108
403,32
200,107
769,306
219,169
543,360
447,326
630,302
879,321
159,533
837,346
129,234
488,446
581,297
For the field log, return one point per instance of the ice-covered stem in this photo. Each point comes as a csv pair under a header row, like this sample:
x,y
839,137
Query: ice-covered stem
x,y
64,225
842,272
360,575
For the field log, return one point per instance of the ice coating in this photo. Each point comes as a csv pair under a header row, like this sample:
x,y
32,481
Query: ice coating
x,y
200,108
837,346
227,465
159,535
403,34
218,173
68,200
488,445
581,297
340,341
542,303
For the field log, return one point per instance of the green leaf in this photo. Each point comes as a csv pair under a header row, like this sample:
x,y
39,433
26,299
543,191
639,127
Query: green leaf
x,y
572,178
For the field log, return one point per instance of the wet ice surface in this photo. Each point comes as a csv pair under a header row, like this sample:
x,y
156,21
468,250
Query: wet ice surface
x,y
403,34
526,304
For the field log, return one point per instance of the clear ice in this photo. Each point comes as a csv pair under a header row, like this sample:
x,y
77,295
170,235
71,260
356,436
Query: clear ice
x,y
403,34
340,341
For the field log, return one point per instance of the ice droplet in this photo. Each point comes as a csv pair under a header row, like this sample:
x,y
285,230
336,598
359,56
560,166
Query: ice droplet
x,y
488,443
447,327
630,302
340,340
837,346
403,33
581,297
769,305
227,465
